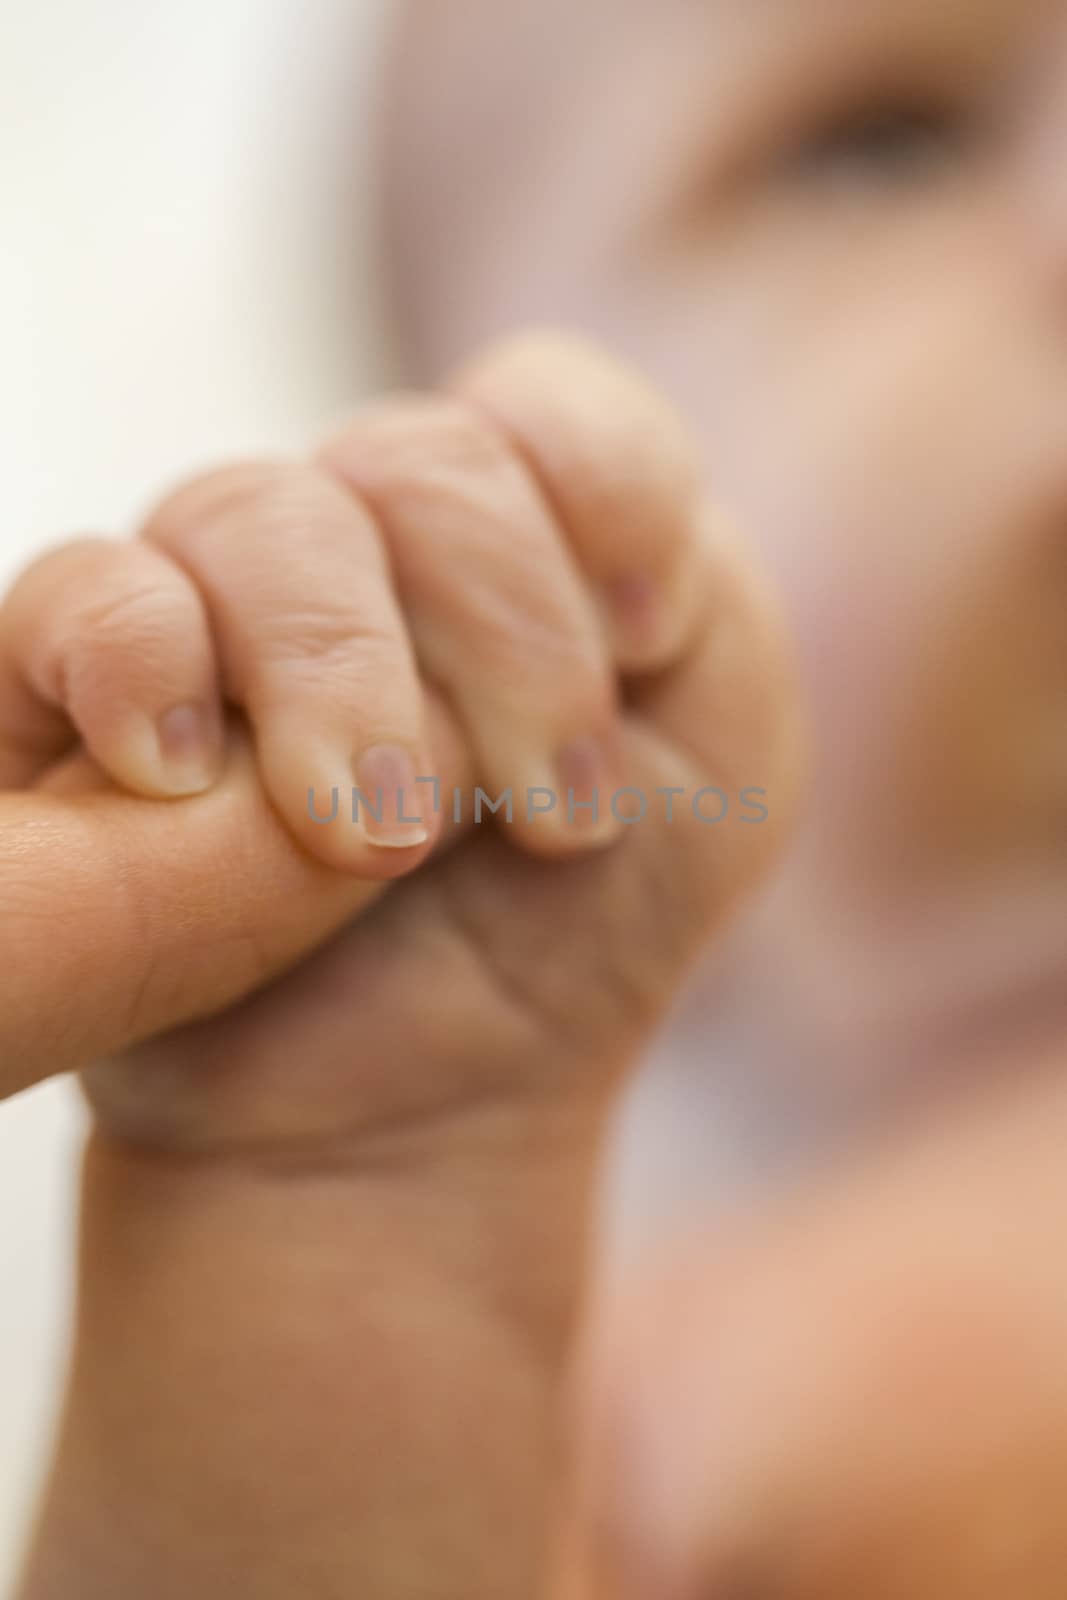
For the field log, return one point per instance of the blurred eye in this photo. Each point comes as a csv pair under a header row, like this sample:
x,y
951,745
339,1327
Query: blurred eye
x,y
892,144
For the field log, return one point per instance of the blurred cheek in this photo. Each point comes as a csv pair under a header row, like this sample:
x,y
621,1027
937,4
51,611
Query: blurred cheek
x,y
795,411
882,401
898,493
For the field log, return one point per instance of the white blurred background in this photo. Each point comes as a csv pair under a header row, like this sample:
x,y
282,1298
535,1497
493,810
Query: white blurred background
x,y
185,274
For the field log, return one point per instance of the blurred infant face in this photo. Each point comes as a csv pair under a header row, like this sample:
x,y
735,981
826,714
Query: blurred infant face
x,y
837,233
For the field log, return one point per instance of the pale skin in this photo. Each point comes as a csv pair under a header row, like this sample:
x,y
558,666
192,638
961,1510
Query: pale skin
x,y
334,1236
742,1429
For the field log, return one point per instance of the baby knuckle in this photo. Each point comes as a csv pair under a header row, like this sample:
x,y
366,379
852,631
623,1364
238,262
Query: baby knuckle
x,y
437,446
128,619
324,642
261,493
38,582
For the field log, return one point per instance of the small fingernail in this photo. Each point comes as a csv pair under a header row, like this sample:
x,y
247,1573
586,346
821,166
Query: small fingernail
x,y
189,737
587,770
390,802
639,619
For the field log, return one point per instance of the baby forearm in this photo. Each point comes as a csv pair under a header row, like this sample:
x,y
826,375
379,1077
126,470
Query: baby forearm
x,y
312,1379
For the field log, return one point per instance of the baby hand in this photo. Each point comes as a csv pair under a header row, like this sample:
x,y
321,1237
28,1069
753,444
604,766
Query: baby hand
x,y
518,585
335,1234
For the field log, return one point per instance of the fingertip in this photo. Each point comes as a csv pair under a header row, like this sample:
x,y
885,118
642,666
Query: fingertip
x,y
189,739
173,755
647,618
371,818
575,804
386,804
